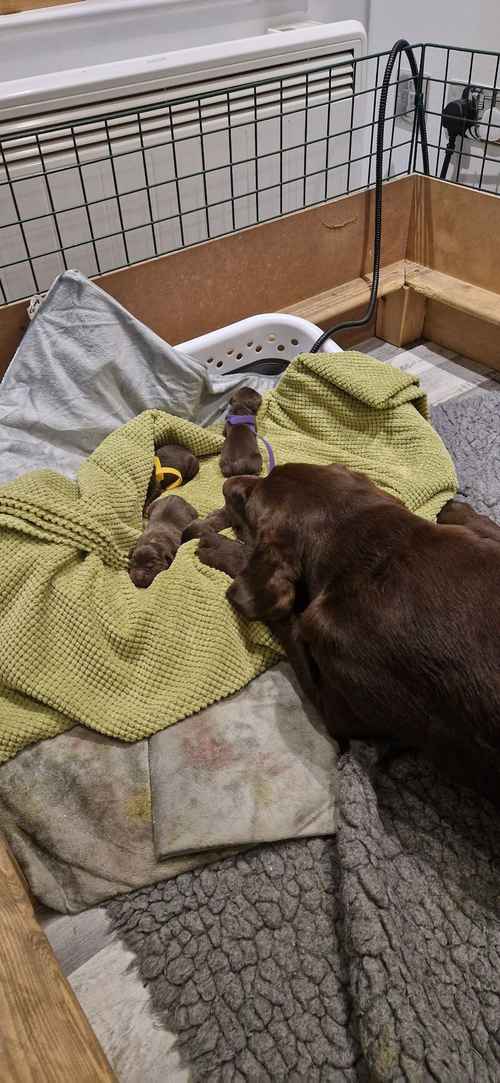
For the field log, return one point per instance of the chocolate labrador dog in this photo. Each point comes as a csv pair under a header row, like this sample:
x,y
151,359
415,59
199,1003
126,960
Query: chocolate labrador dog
x,y
155,550
392,623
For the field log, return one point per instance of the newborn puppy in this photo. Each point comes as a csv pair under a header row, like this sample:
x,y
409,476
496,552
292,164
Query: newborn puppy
x,y
240,453
156,548
180,459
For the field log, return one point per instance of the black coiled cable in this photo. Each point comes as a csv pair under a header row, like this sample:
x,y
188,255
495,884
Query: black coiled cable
x,y
399,47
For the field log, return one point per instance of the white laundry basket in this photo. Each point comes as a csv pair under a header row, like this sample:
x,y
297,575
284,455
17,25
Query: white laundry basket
x,y
273,335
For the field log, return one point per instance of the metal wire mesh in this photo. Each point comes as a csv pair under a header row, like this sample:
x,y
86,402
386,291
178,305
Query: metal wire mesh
x,y
111,189
448,71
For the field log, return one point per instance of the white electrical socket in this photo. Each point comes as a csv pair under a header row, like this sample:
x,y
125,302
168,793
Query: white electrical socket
x,y
405,98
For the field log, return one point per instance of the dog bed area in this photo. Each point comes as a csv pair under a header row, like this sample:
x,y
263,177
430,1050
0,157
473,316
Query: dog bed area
x,y
367,948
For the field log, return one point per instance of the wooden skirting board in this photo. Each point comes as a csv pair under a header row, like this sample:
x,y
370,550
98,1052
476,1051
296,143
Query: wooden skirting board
x,y
454,292
415,301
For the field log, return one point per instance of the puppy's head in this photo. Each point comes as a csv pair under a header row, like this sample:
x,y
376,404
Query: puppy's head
x,y
150,555
245,401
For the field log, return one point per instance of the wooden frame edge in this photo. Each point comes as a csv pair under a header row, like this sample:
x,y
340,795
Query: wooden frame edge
x,y
36,998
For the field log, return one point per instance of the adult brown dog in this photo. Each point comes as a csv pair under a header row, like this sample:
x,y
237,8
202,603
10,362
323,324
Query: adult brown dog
x,y
156,548
391,623
240,453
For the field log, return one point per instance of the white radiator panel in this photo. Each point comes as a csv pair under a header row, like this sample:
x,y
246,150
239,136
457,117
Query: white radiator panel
x,y
269,133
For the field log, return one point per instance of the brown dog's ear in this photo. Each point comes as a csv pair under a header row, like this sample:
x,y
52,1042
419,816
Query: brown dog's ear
x,y
237,490
266,589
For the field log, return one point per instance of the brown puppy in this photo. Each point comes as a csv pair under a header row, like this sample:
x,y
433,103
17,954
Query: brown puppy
x,y
156,548
180,459
240,453
392,623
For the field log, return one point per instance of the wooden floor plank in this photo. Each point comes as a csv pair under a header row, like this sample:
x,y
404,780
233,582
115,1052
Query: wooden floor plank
x,y
44,1034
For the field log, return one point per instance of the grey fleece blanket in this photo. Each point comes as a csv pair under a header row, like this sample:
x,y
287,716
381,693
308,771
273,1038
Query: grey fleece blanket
x,y
371,956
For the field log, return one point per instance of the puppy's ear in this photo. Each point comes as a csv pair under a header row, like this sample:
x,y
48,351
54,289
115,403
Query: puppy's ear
x,y
148,508
266,589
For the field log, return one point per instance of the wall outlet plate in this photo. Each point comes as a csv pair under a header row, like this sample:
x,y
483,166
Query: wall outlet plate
x,y
405,98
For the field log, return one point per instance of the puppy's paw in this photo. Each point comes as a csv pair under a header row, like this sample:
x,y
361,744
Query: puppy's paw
x,y
221,553
211,549
233,468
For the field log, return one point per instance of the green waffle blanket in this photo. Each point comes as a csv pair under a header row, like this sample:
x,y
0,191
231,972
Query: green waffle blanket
x,y
80,644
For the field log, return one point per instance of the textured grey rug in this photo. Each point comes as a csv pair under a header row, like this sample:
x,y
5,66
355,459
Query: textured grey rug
x,y
374,955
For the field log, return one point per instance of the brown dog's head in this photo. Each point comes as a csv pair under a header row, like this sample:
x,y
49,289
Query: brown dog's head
x,y
289,521
245,401
266,589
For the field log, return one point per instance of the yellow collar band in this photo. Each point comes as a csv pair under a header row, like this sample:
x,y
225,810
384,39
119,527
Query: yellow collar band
x,y
162,472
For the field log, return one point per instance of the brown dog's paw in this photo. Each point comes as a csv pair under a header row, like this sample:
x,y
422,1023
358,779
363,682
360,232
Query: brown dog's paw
x,y
222,553
233,468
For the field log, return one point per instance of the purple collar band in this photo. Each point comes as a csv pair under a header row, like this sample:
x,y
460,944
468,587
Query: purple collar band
x,y
241,419
249,419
